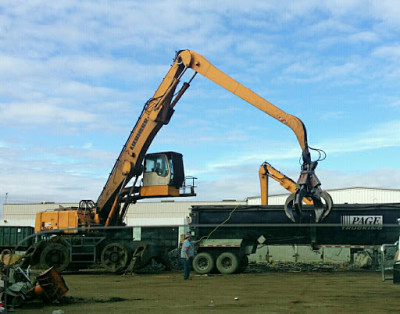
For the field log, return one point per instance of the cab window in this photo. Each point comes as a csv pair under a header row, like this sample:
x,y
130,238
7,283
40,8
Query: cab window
x,y
157,164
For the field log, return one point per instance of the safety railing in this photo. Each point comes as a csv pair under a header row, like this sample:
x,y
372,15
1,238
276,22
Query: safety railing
x,y
188,187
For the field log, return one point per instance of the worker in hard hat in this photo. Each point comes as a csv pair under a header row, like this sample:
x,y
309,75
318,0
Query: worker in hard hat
x,y
187,254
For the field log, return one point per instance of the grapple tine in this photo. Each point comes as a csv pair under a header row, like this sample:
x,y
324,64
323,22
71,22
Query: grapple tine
x,y
322,209
328,204
289,206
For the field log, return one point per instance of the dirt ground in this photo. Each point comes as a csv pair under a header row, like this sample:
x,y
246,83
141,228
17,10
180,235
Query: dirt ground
x,y
251,292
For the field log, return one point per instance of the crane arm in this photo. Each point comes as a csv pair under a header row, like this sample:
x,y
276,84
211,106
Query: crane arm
x,y
308,185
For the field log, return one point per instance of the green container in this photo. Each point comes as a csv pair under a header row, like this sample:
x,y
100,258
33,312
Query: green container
x,y
12,236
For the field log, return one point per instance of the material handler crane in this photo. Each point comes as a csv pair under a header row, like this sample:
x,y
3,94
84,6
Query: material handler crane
x,y
162,173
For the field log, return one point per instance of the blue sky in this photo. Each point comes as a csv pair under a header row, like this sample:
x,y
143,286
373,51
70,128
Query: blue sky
x,y
74,76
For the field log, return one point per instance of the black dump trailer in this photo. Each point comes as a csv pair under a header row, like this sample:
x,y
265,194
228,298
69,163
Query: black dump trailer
x,y
226,235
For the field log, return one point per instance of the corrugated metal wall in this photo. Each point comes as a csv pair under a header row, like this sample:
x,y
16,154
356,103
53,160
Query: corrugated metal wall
x,y
365,196
165,213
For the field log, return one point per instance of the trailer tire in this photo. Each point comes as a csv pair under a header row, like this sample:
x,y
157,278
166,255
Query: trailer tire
x,y
54,255
115,257
227,263
203,263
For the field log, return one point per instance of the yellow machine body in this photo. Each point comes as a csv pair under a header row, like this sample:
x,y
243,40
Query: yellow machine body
x,y
51,220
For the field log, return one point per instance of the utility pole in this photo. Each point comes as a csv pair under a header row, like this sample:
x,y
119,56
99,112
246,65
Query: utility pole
x,y
5,200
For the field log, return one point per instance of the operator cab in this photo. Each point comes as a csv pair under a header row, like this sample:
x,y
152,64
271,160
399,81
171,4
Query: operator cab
x,y
163,169
163,175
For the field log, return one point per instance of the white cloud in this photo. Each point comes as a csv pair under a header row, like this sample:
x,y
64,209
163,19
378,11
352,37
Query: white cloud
x,y
366,36
337,115
309,72
386,11
395,103
379,136
391,52
40,113
38,187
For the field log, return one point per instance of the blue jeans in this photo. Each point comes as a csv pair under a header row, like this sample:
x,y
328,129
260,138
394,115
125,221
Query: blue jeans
x,y
187,265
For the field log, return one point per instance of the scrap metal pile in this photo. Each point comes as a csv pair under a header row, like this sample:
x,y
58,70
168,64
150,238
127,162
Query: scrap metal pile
x,y
17,287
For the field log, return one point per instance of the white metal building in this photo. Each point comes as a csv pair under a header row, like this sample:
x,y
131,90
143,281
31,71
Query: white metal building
x,y
165,212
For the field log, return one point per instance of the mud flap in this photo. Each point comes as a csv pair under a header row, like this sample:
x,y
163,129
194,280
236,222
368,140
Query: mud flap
x,y
136,258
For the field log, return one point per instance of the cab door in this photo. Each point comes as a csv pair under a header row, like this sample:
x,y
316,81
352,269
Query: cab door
x,y
157,170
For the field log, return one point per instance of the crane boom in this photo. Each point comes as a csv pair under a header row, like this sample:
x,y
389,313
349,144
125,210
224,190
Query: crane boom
x,y
156,113
308,184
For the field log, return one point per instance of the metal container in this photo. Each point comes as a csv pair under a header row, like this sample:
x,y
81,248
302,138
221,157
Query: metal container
x,y
13,236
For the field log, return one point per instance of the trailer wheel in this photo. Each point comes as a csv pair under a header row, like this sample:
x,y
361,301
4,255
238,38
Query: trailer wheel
x,y
114,257
203,263
227,263
54,255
